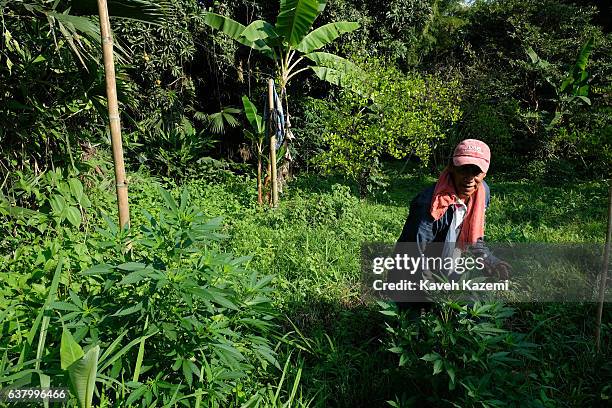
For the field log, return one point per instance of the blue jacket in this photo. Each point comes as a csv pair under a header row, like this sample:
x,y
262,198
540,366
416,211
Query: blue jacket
x,y
420,226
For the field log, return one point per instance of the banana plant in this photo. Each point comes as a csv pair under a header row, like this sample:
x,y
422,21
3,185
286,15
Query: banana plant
x,y
257,137
574,89
291,40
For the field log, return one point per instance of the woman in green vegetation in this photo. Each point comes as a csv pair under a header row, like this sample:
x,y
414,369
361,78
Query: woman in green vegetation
x,y
452,212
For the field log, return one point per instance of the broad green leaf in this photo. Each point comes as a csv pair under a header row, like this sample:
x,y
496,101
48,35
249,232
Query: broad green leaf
x,y
583,55
259,30
70,351
250,110
331,75
388,312
324,35
532,54
325,59
437,367
132,266
83,377
98,270
337,70
296,18
229,27
584,99
431,357
187,372
451,374
73,215
566,82
76,188
234,30
58,203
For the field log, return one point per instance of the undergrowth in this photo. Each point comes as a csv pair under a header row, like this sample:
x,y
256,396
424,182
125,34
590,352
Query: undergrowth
x,y
317,341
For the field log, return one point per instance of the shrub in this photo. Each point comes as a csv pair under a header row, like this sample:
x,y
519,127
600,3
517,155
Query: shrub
x,y
400,115
174,319
475,361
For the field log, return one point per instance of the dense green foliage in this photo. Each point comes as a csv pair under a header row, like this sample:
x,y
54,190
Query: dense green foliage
x,y
401,115
309,247
211,299
180,70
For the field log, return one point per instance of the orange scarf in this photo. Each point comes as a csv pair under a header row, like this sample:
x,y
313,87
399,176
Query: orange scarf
x,y
473,224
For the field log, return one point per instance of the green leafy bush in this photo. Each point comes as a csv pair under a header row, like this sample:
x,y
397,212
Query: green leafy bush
x,y
395,114
174,319
493,355
465,356
206,319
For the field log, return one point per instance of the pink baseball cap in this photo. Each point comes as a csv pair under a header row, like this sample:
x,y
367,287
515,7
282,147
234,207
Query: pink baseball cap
x,y
472,151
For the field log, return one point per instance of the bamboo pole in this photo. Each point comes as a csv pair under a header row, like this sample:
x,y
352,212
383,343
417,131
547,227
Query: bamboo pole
x,y
604,272
272,142
259,181
113,115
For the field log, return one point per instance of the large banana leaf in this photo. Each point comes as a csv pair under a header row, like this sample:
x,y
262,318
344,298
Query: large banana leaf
x,y
324,35
228,26
234,30
250,111
333,76
289,4
583,56
577,77
296,18
338,71
325,59
82,368
259,30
